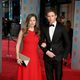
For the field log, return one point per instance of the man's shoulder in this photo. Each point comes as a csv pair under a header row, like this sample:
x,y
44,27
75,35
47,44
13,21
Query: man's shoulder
x,y
60,25
43,27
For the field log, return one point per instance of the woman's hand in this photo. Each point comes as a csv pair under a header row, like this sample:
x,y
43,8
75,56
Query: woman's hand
x,y
43,45
19,61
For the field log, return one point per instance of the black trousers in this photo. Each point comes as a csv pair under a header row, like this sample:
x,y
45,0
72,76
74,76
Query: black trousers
x,y
53,70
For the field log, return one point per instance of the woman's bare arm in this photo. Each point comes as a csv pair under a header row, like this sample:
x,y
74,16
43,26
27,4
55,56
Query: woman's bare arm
x,y
18,43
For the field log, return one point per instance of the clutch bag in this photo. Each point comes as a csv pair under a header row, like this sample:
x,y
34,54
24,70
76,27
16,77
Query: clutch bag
x,y
25,59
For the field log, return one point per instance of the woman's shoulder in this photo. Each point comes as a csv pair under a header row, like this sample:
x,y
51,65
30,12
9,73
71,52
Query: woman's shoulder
x,y
23,30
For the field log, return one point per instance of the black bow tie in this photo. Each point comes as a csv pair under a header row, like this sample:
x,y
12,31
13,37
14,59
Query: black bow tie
x,y
51,25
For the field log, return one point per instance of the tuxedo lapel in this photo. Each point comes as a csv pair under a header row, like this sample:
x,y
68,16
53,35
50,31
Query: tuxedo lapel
x,y
47,34
54,35
55,32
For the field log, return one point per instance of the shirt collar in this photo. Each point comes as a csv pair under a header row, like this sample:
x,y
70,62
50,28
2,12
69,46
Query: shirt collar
x,y
54,23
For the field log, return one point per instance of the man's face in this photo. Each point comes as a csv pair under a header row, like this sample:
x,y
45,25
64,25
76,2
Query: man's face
x,y
51,16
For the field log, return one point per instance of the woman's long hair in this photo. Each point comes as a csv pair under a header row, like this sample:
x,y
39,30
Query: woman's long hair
x,y
36,27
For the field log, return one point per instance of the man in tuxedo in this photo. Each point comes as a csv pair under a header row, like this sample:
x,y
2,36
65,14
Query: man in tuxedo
x,y
55,45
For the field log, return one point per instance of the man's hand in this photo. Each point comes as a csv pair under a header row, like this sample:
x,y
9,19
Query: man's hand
x,y
43,45
50,54
65,61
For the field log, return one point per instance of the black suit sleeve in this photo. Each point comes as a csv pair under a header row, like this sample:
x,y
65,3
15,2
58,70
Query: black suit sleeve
x,y
42,39
66,42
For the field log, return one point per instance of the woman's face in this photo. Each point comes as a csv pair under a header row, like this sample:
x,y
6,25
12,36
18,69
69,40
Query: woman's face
x,y
32,21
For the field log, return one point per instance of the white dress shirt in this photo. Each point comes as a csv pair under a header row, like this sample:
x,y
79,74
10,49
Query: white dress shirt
x,y
51,30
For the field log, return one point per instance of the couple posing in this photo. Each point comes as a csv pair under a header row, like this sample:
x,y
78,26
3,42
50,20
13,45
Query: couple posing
x,y
53,40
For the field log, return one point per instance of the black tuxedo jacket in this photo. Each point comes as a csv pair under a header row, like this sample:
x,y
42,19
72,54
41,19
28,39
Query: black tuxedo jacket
x,y
60,43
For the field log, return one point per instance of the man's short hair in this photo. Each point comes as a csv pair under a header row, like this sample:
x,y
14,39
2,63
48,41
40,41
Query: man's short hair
x,y
50,10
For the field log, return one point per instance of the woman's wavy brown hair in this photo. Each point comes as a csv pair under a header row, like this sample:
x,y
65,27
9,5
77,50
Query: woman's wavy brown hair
x,y
36,27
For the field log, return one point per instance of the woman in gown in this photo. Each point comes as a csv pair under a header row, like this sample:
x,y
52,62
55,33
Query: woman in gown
x,y
30,38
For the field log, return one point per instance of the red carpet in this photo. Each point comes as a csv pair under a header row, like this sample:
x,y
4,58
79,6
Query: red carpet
x,y
9,65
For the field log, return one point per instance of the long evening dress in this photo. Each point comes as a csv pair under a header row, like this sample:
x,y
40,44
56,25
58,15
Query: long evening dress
x,y
30,49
